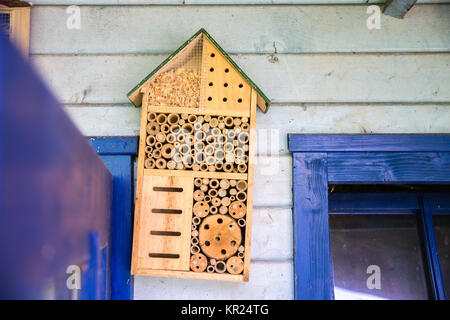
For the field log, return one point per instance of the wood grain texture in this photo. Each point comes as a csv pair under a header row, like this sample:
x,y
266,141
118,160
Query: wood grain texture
x,y
385,167
312,253
293,78
268,29
152,221
369,143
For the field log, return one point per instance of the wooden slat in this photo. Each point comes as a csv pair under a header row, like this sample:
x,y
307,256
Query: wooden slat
x,y
194,174
190,275
293,29
294,78
312,253
369,142
385,167
215,112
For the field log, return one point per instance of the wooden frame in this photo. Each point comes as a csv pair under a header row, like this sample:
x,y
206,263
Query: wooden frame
x,y
357,159
20,26
160,246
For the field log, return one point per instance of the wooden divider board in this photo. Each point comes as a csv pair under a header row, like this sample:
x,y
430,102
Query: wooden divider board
x,y
157,248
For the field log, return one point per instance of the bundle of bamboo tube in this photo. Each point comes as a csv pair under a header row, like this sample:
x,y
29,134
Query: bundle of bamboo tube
x,y
195,142
219,198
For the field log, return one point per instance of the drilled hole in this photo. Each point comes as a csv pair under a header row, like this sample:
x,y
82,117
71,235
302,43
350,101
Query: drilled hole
x,y
225,84
224,99
239,100
211,69
207,226
167,211
223,251
227,70
240,85
219,221
166,233
212,55
164,255
210,84
207,243
217,239
233,243
209,98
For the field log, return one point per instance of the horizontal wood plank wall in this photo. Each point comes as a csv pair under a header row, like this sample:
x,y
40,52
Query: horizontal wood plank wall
x,y
324,70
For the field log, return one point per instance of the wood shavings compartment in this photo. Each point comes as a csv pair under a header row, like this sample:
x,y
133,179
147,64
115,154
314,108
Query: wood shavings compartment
x,y
194,189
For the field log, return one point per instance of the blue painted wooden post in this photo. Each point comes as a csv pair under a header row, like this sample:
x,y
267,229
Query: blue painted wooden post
x,y
437,282
118,154
312,251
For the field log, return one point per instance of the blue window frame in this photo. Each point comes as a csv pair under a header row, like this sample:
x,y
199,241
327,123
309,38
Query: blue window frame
x,y
320,160
118,154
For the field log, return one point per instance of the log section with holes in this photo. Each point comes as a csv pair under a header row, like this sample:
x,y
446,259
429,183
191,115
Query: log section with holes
x,y
195,168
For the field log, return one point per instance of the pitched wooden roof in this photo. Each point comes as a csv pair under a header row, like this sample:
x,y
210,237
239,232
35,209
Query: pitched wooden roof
x,y
135,95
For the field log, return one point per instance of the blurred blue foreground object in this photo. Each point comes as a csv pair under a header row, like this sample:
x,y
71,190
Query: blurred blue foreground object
x,y
55,194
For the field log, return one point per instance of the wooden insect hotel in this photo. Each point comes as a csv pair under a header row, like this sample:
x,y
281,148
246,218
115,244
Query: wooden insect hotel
x,y
194,188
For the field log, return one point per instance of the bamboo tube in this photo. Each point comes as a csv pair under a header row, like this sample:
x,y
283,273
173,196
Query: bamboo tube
x,y
223,210
197,126
212,261
151,140
205,127
151,116
192,118
210,269
171,165
160,137
209,150
156,153
175,129
232,198
216,132
240,255
242,168
184,116
241,185
171,138
241,196
241,248
207,199
239,152
213,123
149,163
245,127
180,166
194,241
164,128
167,151
213,209
228,122
195,167
148,149
214,183
188,128
243,137
200,136
194,233
199,146
173,118
228,167
195,249
241,222
197,182
233,183
203,167
161,163
212,192
205,181
152,128
188,161
222,193
207,118
199,157
210,160
200,119
196,220
181,122
228,147
161,118
226,201
224,184
232,191
158,145
219,166
237,121
229,160
203,187
220,267
177,158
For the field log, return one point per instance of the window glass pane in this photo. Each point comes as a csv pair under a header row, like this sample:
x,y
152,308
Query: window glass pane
x,y
377,257
442,230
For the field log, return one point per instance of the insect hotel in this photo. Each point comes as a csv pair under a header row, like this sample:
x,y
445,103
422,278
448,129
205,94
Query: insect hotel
x,y
195,168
